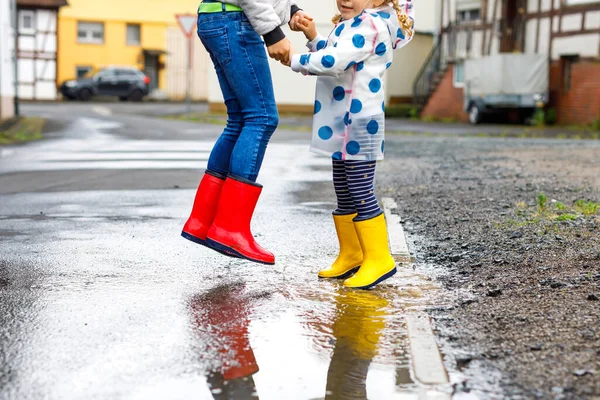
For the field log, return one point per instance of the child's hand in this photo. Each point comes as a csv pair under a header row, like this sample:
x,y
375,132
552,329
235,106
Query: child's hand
x,y
304,23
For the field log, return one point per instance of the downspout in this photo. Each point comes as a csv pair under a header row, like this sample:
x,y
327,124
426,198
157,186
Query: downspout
x,y
15,56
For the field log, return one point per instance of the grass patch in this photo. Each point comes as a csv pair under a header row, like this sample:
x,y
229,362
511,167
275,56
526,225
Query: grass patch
x,y
23,130
546,213
567,217
587,208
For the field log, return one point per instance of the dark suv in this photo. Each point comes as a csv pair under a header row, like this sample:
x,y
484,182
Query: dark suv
x,y
127,83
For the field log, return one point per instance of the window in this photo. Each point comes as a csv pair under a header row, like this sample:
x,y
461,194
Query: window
x,y
572,2
133,34
468,11
128,74
90,32
458,75
81,71
471,15
106,74
26,18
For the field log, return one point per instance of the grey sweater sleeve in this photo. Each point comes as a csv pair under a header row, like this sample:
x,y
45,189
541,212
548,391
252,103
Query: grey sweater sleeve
x,y
264,19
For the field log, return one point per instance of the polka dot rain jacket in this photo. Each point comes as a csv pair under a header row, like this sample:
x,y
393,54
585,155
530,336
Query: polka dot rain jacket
x,y
349,109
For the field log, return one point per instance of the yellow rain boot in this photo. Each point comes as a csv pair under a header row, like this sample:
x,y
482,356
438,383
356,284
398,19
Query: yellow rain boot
x,y
378,263
351,254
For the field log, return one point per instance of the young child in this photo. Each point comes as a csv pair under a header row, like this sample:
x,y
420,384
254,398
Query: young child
x,y
231,31
348,124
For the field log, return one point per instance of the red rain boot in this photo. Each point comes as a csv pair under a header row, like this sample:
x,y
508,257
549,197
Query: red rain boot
x,y
230,231
204,209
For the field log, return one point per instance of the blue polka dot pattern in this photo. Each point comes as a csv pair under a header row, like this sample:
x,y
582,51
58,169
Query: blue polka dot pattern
x,y
339,93
400,34
384,14
383,106
360,66
303,59
352,64
388,65
372,127
358,41
382,145
357,22
355,106
317,106
328,61
339,30
375,85
335,44
321,45
325,133
347,120
380,50
353,148
337,155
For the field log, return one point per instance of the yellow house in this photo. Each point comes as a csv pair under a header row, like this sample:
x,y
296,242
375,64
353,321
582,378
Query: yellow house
x,y
140,33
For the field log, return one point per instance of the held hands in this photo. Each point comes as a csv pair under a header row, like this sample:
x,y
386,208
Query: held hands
x,y
281,51
302,22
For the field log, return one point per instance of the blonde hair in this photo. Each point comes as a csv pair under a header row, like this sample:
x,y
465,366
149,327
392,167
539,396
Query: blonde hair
x,y
406,24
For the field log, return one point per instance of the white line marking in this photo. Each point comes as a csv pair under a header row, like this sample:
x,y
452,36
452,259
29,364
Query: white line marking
x,y
398,245
104,111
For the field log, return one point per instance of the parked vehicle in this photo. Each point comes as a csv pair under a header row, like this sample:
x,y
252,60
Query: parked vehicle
x,y
127,83
505,82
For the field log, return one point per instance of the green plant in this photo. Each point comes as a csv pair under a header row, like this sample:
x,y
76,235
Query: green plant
x,y
400,111
587,208
542,201
596,124
560,206
550,117
567,217
538,117
414,113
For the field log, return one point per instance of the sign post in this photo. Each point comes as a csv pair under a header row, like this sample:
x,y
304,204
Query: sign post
x,y
187,23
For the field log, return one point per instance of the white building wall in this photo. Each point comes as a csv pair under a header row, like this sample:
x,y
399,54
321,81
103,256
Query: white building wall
x,y
6,64
176,63
37,57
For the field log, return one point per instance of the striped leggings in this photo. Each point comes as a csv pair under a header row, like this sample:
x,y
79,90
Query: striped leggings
x,y
353,184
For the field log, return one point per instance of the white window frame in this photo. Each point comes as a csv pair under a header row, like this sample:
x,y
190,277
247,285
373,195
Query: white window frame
x,y
456,83
89,38
468,21
128,38
577,2
22,28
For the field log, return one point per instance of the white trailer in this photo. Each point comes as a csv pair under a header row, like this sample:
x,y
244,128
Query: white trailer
x,y
504,82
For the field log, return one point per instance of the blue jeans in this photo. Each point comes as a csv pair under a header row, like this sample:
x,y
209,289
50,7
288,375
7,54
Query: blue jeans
x,y
241,62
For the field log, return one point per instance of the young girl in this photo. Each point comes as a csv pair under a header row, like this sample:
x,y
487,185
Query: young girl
x,y
349,122
231,32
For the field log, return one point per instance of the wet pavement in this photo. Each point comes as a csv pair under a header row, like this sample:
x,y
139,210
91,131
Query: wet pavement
x,y
100,298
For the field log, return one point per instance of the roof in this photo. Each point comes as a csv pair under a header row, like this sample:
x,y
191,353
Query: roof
x,y
42,3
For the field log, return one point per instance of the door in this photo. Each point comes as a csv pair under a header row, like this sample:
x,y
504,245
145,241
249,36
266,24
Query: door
x,y
151,70
513,26
106,82
126,82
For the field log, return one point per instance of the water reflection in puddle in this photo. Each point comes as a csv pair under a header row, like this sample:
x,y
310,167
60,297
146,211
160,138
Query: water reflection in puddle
x,y
307,343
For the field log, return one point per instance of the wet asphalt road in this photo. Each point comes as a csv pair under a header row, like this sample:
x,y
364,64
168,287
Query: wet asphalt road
x,y
100,298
